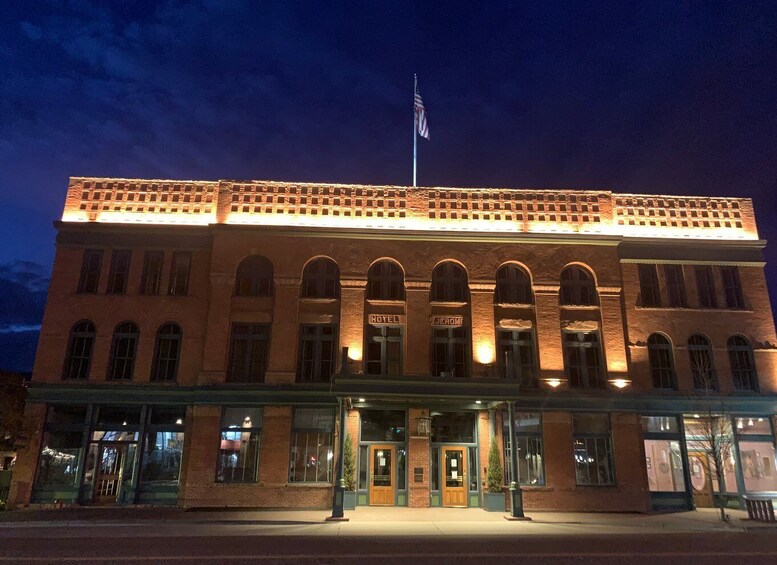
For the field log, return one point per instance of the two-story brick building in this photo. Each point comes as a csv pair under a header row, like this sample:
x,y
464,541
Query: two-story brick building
x,y
190,351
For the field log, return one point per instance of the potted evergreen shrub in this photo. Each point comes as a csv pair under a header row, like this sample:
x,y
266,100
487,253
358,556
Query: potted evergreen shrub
x,y
494,496
349,474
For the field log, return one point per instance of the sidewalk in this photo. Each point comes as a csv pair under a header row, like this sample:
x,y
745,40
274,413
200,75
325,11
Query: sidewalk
x,y
389,521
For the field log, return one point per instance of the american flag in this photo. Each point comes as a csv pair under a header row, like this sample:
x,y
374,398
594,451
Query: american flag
x,y
420,115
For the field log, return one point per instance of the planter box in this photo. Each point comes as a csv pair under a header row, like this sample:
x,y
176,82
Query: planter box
x,y
349,500
494,502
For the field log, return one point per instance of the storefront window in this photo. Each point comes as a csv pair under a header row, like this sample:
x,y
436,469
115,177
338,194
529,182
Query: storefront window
x,y
434,475
528,437
163,444
401,468
707,435
664,463
593,449
238,458
364,461
660,424
59,458
312,453
753,425
758,465
453,427
382,425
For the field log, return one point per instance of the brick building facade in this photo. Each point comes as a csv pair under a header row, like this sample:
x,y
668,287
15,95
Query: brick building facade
x,y
199,335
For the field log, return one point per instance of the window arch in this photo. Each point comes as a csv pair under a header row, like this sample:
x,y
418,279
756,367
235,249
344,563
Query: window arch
x,y
702,365
385,281
167,353
254,277
123,349
513,285
449,283
740,357
661,361
577,287
321,279
79,351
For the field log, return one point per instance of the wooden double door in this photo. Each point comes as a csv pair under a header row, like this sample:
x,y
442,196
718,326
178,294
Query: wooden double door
x,y
454,476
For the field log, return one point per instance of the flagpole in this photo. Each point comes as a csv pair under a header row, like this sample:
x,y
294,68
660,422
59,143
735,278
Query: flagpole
x,y
415,137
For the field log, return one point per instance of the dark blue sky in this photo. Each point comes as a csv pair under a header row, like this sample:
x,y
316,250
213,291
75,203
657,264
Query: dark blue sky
x,y
669,97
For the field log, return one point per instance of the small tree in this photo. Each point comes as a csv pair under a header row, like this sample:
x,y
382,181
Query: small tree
x,y
349,464
494,477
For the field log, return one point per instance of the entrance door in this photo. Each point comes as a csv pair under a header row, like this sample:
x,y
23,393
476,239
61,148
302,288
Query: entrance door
x,y
382,475
454,481
109,473
701,484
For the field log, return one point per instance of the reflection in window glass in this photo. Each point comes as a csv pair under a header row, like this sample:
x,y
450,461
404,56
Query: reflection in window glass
x,y
472,466
364,460
758,466
382,425
162,453
59,454
435,472
239,448
753,425
312,450
593,449
401,468
659,424
453,427
664,464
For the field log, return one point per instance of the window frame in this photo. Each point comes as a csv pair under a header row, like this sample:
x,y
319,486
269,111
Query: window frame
x,y
254,277
580,345
450,283
738,352
151,276
119,271
180,270
535,436
732,287
317,280
706,293
84,360
158,360
451,342
114,360
253,430
517,345
649,288
257,333
513,285
319,431
588,435
661,362
317,339
384,339
675,286
388,284
696,349
91,266
578,287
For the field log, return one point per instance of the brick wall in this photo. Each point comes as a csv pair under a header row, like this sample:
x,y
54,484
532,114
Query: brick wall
x,y
418,456
27,455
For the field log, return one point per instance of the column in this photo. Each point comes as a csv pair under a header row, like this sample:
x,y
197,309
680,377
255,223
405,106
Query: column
x,y
27,455
214,354
352,321
483,332
284,334
417,339
418,457
549,331
613,332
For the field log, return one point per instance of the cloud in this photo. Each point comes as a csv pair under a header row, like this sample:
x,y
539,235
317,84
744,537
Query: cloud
x,y
31,31
23,286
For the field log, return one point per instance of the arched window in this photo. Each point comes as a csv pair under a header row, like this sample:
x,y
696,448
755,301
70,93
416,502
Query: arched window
x,y
702,366
513,285
123,349
385,281
254,277
661,362
740,357
79,351
449,283
321,279
167,353
577,287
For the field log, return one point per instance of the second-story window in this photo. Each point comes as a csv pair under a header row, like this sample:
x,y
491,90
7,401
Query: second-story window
x,y
583,357
702,366
450,347
90,271
705,286
248,350
740,357
180,267
317,352
384,350
167,353
648,285
119,271
675,286
513,285
577,287
152,272
661,362
321,279
79,351
385,281
449,283
520,344
733,287
254,277
123,350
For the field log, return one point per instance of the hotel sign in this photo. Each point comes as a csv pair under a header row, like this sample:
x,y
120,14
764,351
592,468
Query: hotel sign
x,y
386,319
448,321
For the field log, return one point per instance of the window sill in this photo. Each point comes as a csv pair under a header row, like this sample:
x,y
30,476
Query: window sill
x,y
447,303
314,300
689,309
514,305
385,302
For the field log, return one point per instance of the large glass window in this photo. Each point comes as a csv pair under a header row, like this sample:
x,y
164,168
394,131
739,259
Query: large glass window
x,y
740,357
79,351
583,357
151,277
664,463
513,285
384,350
163,444
520,345
705,286
254,277
238,459
385,281
648,285
758,466
167,353
318,343
661,362
321,279
118,273
528,437
577,287
706,436
248,353
702,366
382,425
593,449
180,268
732,287
61,446
450,352
675,286
90,271
312,440
449,283
123,350
453,427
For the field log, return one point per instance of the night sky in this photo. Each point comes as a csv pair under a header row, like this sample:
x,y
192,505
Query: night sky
x,y
669,98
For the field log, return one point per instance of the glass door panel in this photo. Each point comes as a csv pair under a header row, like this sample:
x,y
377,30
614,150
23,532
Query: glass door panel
x,y
382,475
454,483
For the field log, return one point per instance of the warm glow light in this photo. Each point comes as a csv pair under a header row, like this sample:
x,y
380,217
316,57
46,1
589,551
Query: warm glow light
x,y
478,402
555,383
485,353
354,353
620,383
361,400
179,421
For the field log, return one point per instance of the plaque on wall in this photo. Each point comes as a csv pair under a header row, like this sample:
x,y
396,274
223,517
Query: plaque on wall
x,y
447,321
385,319
418,474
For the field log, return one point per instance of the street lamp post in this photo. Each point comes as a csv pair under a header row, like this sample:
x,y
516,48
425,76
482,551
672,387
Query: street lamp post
x,y
339,486
516,495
